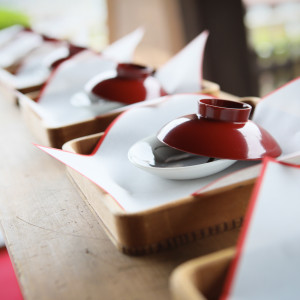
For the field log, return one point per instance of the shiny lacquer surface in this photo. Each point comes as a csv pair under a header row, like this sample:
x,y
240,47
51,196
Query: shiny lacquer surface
x,y
221,129
129,83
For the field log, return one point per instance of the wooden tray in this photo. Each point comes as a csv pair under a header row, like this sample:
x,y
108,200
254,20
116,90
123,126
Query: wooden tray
x,y
34,89
202,278
220,208
11,95
57,136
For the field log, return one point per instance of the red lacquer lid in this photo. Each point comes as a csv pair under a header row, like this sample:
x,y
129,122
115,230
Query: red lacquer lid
x,y
221,129
131,83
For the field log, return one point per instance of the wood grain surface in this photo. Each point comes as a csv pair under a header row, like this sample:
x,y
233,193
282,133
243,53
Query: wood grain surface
x,y
58,248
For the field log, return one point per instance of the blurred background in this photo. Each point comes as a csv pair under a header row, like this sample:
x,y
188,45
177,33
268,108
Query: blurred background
x,y
253,47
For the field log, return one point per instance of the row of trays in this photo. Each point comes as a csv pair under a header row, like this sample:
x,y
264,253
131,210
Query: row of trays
x,y
218,207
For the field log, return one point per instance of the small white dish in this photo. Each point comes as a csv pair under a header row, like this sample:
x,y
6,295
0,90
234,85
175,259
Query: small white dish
x,y
154,157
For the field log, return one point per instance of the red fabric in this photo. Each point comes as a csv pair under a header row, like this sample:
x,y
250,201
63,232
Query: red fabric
x,y
9,287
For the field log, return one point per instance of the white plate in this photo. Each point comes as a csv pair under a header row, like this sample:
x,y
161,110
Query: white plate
x,y
161,160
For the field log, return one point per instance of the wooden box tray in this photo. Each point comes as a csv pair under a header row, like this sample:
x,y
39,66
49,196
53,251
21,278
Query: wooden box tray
x,y
219,208
201,278
57,136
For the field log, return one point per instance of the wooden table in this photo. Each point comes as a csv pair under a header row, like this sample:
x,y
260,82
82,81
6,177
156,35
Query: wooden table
x,y
58,248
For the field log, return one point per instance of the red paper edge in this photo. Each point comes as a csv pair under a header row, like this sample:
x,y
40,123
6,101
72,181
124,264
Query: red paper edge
x,y
281,87
242,237
45,84
241,241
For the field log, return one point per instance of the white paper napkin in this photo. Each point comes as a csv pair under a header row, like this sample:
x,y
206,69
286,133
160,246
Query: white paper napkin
x,y
123,49
20,46
183,72
134,189
284,104
34,69
267,262
8,33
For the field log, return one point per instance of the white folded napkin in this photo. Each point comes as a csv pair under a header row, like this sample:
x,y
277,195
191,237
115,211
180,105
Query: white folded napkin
x,y
8,33
34,69
19,47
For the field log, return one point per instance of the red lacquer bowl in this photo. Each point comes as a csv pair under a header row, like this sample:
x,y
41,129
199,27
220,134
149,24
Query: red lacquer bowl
x,y
221,129
129,83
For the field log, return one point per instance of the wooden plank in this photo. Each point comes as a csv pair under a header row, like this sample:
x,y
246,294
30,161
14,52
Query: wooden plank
x,y
58,248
